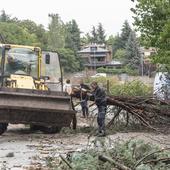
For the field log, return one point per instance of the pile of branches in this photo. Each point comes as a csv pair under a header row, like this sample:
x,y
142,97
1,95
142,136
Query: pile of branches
x,y
129,155
148,111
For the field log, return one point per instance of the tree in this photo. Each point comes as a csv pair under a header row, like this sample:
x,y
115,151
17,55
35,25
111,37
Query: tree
x,y
94,37
68,60
56,34
120,54
163,56
72,36
37,30
152,20
122,39
133,54
97,35
4,17
125,32
7,18
116,44
110,40
14,34
101,34
85,40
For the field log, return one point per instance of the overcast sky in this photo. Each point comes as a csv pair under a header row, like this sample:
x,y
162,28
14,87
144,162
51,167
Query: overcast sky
x,y
111,13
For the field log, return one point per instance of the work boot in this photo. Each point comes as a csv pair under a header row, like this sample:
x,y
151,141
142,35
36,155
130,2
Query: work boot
x,y
101,134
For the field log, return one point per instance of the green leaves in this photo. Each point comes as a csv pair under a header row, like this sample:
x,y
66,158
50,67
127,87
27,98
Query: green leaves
x,y
127,153
97,35
134,88
68,60
14,34
56,33
152,19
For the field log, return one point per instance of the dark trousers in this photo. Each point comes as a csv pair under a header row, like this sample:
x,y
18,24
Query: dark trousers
x,y
85,109
101,118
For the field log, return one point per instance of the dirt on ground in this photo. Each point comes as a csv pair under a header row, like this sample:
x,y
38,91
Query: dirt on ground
x,y
22,149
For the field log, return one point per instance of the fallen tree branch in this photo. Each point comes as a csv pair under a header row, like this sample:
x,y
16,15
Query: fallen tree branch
x,y
64,160
113,119
165,160
152,153
149,111
118,165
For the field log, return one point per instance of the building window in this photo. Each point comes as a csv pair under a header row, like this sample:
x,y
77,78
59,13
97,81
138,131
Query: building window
x,y
93,48
101,59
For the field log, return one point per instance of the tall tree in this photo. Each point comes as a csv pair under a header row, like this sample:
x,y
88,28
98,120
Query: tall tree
x,y
72,40
152,20
68,60
56,34
14,34
4,17
94,37
125,32
133,54
101,34
97,35
117,44
37,30
72,36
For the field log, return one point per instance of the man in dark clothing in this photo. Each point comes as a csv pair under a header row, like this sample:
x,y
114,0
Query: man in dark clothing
x,y
84,99
100,100
84,105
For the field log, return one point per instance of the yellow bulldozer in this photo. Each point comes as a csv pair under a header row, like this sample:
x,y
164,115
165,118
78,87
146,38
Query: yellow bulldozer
x,y
31,90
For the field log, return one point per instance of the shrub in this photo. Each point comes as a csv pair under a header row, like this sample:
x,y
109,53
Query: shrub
x,y
114,71
134,88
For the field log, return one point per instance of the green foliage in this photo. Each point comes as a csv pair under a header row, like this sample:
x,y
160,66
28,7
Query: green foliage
x,y
117,44
134,88
118,71
97,35
24,32
56,34
37,30
72,40
125,33
68,59
152,19
4,17
110,71
94,37
122,39
85,160
110,41
133,55
120,54
127,153
101,34
126,47
15,34
72,36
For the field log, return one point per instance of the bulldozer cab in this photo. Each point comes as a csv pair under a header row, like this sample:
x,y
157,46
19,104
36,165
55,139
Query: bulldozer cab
x,y
51,71
19,60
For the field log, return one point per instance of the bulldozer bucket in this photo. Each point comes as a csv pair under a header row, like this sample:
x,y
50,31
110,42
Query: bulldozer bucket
x,y
37,107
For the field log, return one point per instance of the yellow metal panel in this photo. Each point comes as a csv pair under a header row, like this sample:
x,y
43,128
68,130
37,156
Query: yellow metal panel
x,y
25,82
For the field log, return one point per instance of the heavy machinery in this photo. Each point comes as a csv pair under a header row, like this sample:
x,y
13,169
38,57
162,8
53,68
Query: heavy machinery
x,y
28,79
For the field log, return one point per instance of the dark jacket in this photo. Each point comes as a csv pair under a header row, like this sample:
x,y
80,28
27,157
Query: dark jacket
x,y
99,96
